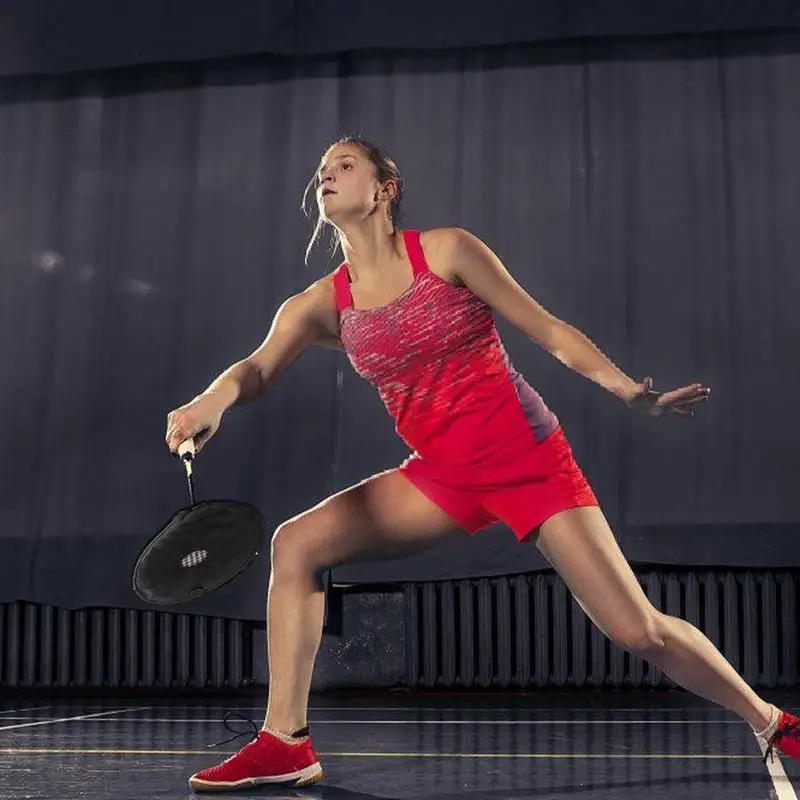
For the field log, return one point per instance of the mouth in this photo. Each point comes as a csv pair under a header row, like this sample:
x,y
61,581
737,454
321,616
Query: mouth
x,y
326,192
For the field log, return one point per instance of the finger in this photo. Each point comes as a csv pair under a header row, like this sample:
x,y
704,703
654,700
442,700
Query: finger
x,y
699,391
679,409
173,420
684,393
693,400
174,439
690,401
172,429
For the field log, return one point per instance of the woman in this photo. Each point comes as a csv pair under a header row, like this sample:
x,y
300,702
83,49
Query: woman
x,y
414,314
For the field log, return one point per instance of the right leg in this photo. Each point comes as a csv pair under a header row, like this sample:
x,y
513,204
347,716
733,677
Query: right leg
x,y
385,516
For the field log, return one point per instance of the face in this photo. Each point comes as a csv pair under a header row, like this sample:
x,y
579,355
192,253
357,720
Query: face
x,y
346,183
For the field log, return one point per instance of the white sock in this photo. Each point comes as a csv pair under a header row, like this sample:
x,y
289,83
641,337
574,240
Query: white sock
x,y
770,729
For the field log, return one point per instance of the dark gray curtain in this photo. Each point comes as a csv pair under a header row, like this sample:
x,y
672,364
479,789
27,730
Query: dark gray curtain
x,y
149,228
41,36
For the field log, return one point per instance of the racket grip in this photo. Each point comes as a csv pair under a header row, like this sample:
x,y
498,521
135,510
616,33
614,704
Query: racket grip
x,y
186,450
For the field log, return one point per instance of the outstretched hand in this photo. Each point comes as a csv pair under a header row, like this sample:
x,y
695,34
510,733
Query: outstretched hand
x,y
677,403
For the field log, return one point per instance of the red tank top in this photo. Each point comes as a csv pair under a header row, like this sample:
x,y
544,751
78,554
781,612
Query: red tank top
x,y
440,368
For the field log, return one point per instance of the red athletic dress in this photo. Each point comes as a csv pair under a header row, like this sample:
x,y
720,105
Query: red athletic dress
x,y
486,447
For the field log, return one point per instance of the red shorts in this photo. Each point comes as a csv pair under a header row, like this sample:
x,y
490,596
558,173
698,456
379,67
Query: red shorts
x,y
528,487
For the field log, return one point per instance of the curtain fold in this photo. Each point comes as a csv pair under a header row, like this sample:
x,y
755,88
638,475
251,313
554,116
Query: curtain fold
x,y
645,191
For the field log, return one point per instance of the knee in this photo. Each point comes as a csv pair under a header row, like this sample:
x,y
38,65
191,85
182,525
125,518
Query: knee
x,y
292,552
289,552
644,638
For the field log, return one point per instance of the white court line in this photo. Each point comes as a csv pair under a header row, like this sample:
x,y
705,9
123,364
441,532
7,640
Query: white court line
x,y
211,708
518,710
780,780
383,754
20,710
66,719
316,722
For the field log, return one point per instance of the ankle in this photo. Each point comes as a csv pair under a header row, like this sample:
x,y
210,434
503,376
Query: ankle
x,y
765,727
284,724
287,733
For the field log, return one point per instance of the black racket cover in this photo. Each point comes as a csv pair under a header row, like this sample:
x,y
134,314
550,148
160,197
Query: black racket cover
x,y
199,549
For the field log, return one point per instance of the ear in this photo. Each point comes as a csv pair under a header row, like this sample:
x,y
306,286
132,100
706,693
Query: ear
x,y
389,190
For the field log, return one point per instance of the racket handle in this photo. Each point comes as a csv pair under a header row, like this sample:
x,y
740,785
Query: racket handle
x,y
186,450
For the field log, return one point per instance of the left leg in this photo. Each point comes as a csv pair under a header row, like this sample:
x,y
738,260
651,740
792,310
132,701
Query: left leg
x,y
580,545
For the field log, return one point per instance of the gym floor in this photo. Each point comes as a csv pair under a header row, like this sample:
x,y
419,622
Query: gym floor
x,y
403,745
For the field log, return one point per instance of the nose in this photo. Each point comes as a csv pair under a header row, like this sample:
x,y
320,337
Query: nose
x,y
327,184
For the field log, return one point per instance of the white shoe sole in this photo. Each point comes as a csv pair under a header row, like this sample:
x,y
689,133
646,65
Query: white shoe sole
x,y
303,777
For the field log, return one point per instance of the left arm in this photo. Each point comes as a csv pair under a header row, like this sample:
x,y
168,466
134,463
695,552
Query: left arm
x,y
480,270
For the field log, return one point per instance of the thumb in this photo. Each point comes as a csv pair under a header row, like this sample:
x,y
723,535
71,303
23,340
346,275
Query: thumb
x,y
202,436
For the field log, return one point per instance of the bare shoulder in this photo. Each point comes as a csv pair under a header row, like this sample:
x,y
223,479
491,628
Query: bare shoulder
x,y
446,248
318,302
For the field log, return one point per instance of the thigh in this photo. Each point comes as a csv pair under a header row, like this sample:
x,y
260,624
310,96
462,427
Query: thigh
x,y
382,517
581,547
536,484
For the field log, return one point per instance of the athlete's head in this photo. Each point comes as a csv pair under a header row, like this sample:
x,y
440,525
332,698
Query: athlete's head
x,y
354,180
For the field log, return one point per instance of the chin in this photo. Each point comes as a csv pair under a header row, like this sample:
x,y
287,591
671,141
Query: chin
x,y
337,215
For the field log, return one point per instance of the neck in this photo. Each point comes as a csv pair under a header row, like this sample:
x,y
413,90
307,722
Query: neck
x,y
369,249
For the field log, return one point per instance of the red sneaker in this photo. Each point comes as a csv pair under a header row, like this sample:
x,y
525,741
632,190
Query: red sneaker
x,y
265,760
786,737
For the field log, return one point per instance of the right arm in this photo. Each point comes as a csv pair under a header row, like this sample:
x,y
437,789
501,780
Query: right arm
x,y
303,320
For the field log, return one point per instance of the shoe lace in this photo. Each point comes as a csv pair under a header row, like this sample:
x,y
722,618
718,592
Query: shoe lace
x,y
252,731
790,729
